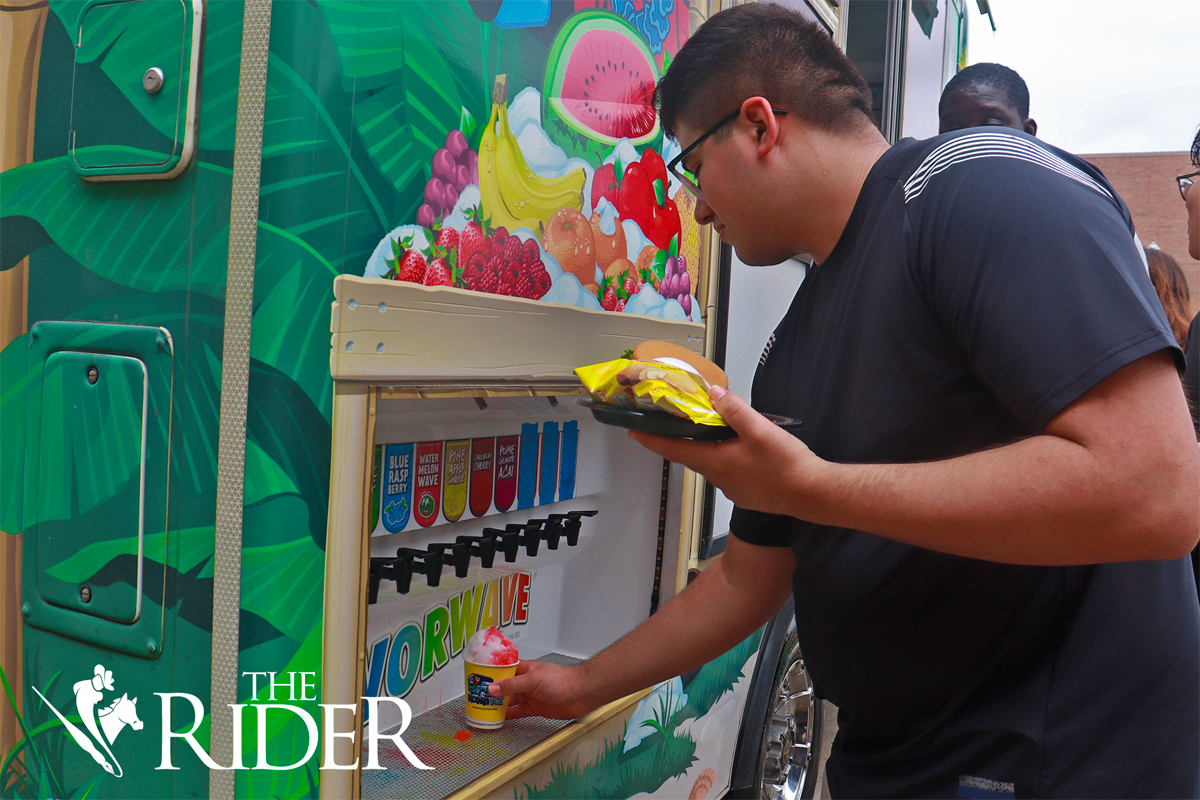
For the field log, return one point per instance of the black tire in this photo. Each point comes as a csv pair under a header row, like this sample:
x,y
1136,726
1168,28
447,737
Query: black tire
x,y
782,714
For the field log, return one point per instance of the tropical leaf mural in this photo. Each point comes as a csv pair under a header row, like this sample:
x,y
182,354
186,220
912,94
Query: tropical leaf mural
x,y
148,236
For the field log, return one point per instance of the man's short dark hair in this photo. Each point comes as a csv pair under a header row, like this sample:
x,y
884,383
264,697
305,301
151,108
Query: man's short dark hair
x,y
761,49
996,75
1196,149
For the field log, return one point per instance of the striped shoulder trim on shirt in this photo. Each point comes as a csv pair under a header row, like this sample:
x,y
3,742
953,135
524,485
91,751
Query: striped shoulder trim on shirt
x,y
991,145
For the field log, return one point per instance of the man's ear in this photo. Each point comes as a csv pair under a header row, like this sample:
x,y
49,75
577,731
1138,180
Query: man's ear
x,y
757,111
1031,127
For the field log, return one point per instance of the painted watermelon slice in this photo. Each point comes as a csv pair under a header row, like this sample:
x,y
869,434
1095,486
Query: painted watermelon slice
x,y
600,79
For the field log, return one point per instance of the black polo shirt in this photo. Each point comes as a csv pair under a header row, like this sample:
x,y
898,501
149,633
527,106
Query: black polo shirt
x,y
984,282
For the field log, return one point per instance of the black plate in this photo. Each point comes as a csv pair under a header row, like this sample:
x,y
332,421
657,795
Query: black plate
x,y
663,424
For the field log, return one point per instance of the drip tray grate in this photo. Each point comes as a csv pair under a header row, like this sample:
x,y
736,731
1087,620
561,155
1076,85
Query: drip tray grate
x,y
455,764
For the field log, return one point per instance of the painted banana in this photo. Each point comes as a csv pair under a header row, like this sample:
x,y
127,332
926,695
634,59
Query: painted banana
x,y
513,195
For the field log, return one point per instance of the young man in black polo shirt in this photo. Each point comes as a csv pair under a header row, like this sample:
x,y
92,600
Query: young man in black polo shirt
x,y
985,524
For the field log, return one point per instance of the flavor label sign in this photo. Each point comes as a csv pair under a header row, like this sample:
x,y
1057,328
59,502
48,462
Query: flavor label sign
x,y
454,488
483,467
397,486
427,483
507,450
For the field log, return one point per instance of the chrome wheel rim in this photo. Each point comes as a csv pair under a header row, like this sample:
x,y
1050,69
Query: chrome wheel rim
x,y
787,751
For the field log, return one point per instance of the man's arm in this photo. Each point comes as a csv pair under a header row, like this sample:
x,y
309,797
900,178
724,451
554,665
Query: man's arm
x,y
728,601
1114,477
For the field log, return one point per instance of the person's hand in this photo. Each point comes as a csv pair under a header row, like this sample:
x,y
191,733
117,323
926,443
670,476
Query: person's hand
x,y
541,689
763,469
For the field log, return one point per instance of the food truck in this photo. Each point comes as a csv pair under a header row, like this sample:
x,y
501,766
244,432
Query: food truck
x,y
293,293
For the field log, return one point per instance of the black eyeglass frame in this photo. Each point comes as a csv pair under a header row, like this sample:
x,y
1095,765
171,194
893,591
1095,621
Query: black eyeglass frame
x,y
681,175
1184,181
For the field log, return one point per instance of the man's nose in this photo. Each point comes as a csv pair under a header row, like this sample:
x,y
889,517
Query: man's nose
x,y
703,213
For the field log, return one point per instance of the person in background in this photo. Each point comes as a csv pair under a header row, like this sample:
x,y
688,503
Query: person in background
x,y
1191,351
1172,287
982,95
1191,197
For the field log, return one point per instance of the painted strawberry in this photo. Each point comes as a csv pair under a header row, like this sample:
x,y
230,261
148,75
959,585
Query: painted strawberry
x,y
620,306
609,301
412,267
473,239
438,273
630,285
447,238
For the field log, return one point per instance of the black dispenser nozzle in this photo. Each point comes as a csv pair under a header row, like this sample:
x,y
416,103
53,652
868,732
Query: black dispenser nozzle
x,y
552,531
508,542
531,534
482,546
459,556
406,564
571,523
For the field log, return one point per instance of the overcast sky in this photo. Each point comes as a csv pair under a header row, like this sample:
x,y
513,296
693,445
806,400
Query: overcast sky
x,y
1104,76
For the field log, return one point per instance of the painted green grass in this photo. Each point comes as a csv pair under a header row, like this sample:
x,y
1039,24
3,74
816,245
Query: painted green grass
x,y
31,770
662,755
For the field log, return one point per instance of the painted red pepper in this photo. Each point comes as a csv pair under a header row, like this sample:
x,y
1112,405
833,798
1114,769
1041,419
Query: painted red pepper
x,y
643,199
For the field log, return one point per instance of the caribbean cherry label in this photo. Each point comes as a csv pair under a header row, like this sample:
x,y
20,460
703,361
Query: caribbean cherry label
x,y
483,469
507,451
397,486
428,490
454,487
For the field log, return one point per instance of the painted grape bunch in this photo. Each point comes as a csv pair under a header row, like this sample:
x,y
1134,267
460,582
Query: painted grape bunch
x,y
676,283
455,167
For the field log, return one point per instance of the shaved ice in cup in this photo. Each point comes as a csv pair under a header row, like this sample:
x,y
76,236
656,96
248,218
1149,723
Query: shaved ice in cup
x,y
488,657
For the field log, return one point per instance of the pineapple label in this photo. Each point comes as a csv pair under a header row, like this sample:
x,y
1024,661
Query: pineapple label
x,y
454,489
483,461
507,448
397,486
428,490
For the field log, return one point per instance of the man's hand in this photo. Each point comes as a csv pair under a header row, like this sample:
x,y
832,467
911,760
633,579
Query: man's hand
x,y
761,469
541,689
731,599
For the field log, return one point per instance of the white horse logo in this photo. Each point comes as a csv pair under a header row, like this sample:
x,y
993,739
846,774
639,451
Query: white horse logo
x,y
112,719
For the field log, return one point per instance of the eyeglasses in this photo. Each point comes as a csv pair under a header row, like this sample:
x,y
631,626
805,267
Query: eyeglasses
x,y
1184,182
690,181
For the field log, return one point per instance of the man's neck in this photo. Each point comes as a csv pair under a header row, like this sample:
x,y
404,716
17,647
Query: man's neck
x,y
842,162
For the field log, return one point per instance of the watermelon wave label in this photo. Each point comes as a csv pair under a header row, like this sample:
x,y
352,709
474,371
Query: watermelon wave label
x,y
427,494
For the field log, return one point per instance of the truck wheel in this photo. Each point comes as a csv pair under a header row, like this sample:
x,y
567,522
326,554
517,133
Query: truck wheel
x,y
791,741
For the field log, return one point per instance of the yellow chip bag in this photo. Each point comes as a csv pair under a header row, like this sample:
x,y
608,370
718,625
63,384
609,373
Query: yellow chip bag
x,y
651,386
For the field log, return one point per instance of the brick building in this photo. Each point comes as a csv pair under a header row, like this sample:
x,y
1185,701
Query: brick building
x,y
1145,181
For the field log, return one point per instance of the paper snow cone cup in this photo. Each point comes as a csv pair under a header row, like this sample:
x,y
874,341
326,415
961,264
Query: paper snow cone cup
x,y
484,710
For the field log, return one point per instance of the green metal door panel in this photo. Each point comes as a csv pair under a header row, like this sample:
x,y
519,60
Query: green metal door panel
x,y
96,470
91,448
146,47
